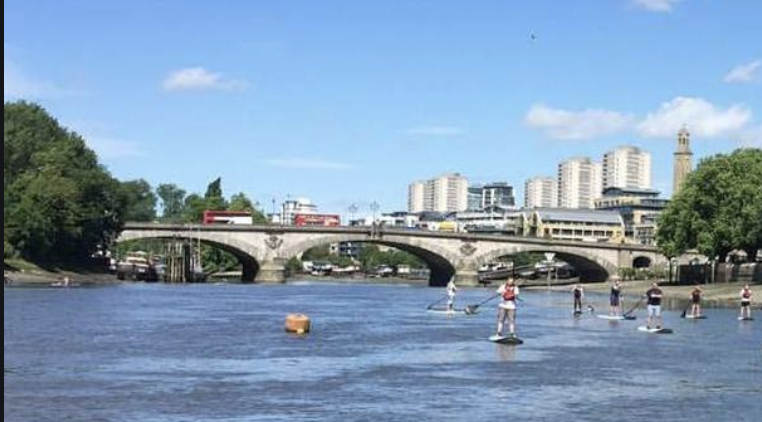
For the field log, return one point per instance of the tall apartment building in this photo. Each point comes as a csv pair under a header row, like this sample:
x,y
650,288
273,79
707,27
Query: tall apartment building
x,y
580,183
446,193
498,194
541,192
627,167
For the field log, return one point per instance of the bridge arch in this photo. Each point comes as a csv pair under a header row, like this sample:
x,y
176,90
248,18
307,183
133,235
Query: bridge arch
x,y
591,268
244,252
642,262
442,264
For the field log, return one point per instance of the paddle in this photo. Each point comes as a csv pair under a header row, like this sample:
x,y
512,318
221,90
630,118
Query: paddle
x,y
634,307
685,311
471,309
437,302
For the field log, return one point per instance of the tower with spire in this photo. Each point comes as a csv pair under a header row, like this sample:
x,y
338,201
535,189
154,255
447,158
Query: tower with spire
x,y
683,160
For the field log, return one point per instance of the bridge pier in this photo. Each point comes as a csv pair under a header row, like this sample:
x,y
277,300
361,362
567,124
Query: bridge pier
x,y
271,272
467,278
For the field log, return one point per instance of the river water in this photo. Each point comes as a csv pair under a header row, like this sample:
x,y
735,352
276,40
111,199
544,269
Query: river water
x,y
219,353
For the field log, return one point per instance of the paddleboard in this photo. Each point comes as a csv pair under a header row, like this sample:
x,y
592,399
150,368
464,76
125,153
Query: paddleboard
x,y
617,317
655,330
695,317
506,340
447,311
745,319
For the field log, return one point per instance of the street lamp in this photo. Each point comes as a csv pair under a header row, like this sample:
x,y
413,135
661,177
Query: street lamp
x,y
549,256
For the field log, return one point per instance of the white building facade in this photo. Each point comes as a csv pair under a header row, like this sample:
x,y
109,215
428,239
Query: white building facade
x,y
627,167
580,183
541,192
446,193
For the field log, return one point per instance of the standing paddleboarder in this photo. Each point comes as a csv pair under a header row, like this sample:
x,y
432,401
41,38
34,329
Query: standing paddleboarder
x,y
509,293
451,291
654,296
578,294
696,301
746,295
615,299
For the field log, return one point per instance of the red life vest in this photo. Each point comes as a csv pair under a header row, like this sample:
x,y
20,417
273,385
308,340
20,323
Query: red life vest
x,y
509,293
746,294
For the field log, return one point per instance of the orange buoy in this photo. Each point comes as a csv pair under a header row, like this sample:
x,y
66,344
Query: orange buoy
x,y
298,323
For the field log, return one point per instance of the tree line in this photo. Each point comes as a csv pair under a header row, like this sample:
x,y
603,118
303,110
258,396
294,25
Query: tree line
x,y
61,204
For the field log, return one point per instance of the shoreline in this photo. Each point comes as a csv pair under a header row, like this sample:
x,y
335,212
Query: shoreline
x,y
42,278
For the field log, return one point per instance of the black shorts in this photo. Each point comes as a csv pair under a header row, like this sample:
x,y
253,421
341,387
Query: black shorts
x,y
696,301
745,304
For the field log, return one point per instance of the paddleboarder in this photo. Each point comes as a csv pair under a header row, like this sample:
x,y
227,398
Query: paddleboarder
x,y
696,301
509,293
654,296
578,294
451,291
615,299
746,295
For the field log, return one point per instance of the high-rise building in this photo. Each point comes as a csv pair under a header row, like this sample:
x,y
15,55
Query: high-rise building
x,y
683,160
416,197
580,182
293,207
475,195
541,192
498,194
446,193
627,167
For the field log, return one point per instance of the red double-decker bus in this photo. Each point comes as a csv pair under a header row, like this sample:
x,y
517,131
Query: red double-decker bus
x,y
228,217
317,220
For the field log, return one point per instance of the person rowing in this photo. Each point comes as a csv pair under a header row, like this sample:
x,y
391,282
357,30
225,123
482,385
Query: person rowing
x,y
696,301
451,292
654,296
509,293
578,294
746,295
615,299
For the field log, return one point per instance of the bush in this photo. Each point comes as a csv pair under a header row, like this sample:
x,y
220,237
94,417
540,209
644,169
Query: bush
x,y
9,252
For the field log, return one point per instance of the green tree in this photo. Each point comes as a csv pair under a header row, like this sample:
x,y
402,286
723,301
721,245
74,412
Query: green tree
x,y
138,201
215,201
60,203
240,202
172,202
194,208
718,210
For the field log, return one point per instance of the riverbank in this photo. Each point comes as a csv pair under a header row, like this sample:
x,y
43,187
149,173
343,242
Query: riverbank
x,y
24,274
724,295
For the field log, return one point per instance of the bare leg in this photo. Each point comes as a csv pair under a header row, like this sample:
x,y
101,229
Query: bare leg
x,y
511,321
500,321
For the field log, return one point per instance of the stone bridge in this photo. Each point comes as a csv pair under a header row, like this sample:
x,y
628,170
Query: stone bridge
x,y
264,250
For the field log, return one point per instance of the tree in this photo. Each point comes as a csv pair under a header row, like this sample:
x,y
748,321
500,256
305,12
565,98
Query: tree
x,y
138,201
60,203
215,201
194,208
719,209
172,202
240,202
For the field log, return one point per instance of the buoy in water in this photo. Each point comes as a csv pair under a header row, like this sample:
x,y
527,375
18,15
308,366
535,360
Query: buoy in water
x,y
298,324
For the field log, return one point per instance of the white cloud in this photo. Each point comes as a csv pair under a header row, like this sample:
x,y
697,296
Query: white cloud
x,y
440,131
703,118
308,164
114,148
745,73
577,125
200,79
656,5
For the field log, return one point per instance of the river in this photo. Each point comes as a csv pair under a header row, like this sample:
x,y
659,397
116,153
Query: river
x,y
219,353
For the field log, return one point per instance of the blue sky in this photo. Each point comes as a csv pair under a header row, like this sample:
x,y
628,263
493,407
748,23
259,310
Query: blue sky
x,y
349,101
